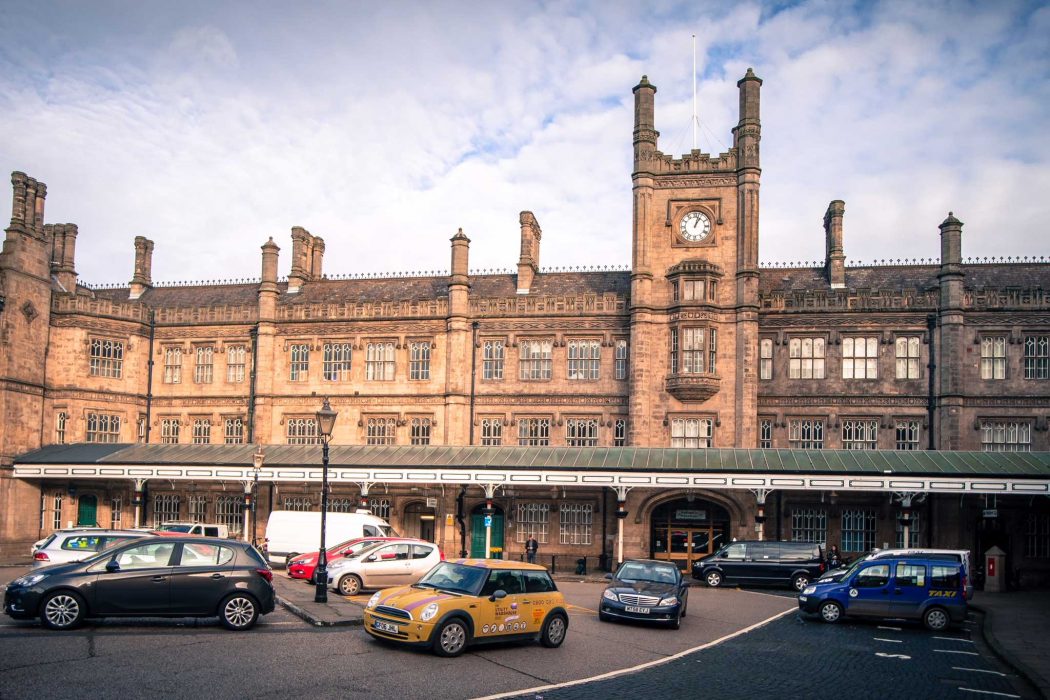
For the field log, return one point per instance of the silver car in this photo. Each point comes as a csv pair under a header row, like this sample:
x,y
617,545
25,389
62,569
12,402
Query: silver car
x,y
383,565
70,545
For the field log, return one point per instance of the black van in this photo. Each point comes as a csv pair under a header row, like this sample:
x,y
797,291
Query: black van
x,y
780,563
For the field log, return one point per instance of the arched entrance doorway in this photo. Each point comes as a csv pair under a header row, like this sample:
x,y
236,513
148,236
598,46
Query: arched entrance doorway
x,y
87,510
419,521
685,529
477,531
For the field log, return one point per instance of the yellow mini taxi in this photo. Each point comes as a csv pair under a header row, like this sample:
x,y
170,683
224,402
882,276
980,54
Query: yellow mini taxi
x,y
471,601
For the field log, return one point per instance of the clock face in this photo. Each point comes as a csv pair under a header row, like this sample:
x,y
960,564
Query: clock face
x,y
695,226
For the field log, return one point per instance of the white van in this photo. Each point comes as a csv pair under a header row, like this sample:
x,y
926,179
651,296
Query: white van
x,y
290,532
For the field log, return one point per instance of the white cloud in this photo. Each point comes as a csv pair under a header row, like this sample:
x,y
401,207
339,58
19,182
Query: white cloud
x,y
385,128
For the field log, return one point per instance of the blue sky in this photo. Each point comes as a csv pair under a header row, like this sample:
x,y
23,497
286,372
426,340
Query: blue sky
x,y
385,127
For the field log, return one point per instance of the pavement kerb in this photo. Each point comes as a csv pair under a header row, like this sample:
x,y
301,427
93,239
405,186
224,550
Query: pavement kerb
x,y
313,620
1020,667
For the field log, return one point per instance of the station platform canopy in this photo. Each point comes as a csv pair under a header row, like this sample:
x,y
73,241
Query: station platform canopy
x,y
641,467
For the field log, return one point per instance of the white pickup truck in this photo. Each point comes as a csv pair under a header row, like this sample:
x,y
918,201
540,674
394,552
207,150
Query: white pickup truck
x,y
203,529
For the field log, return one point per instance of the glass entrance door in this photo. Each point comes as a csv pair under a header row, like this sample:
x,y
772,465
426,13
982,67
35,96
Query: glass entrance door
x,y
683,546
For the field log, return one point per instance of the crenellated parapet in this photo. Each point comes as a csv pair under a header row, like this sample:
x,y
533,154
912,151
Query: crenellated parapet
x,y
659,163
543,305
424,308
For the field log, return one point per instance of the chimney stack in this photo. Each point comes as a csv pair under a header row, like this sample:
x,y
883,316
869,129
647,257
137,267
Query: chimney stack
x,y
645,133
835,263
529,262
63,252
317,258
268,284
143,277
27,208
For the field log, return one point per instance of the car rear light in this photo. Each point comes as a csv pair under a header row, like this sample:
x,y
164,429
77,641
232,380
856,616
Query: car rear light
x,y
821,569
266,574
41,556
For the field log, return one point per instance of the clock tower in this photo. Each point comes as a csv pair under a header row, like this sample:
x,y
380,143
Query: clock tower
x,y
694,285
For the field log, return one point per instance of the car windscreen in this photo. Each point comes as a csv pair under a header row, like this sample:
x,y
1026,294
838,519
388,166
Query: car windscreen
x,y
457,578
637,571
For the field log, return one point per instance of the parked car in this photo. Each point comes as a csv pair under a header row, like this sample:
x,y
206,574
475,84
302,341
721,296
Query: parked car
x,y
384,565
74,545
780,563
149,577
304,565
174,529
908,586
471,601
645,590
962,556
289,533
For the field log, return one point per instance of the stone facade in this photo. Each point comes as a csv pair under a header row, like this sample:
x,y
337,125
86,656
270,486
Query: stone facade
x,y
694,346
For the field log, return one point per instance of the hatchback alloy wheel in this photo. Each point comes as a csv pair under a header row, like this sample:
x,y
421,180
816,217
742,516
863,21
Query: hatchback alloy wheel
x,y
714,579
239,612
62,611
553,633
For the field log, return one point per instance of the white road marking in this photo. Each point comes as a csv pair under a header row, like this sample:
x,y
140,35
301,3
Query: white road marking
x,y
989,692
895,641
977,670
639,667
954,651
895,629
892,656
955,639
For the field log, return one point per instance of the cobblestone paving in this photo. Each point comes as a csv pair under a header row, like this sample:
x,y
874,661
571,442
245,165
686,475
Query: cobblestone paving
x,y
800,657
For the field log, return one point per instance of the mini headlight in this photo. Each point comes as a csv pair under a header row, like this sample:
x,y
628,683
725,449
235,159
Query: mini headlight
x,y
29,580
673,600
429,612
810,590
373,600
610,595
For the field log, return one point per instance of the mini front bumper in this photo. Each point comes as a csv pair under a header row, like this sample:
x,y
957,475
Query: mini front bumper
x,y
411,632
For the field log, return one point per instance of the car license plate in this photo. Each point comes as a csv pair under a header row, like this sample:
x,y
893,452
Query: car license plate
x,y
634,609
385,627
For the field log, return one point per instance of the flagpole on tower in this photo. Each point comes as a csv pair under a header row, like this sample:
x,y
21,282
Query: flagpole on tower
x,y
694,93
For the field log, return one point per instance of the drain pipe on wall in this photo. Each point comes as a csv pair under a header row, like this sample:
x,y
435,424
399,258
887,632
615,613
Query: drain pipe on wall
x,y
254,333
931,396
149,374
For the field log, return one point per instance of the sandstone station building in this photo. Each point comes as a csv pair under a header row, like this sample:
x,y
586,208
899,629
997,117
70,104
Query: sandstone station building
x,y
695,398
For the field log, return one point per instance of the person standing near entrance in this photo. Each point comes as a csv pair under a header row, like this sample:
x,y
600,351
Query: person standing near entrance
x,y
531,547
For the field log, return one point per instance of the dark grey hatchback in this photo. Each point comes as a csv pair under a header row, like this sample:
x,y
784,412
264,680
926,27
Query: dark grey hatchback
x,y
150,577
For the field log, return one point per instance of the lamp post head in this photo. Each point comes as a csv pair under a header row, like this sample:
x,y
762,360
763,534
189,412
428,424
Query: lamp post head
x,y
326,419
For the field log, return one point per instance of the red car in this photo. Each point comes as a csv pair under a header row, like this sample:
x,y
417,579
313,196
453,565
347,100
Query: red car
x,y
303,566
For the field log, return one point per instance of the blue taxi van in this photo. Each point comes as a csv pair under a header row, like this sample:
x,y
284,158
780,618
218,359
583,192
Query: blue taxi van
x,y
910,587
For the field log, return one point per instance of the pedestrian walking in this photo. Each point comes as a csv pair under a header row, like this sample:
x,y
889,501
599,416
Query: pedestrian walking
x,y
531,547
834,557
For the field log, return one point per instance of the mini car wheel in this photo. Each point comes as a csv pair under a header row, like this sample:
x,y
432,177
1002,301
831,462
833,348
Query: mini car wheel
x,y
713,578
799,582
62,610
936,619
450,639
238,612
350,585
554,629
830,612
685,606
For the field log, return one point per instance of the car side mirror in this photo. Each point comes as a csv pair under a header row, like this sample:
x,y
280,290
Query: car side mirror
x,y
609,576
370,557
112,566
498,595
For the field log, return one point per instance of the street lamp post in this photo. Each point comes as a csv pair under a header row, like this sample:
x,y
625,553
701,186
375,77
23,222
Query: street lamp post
x,y
325,423
257,462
